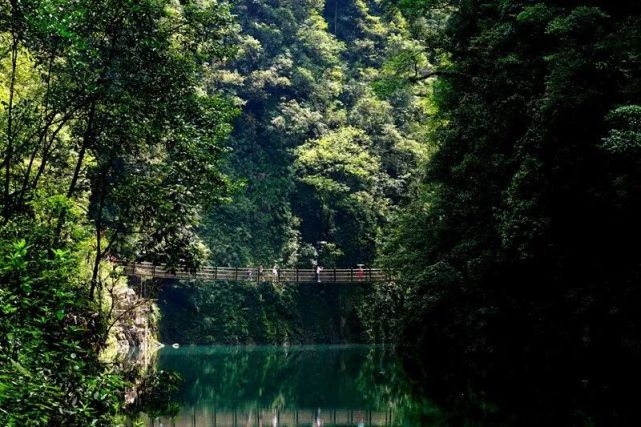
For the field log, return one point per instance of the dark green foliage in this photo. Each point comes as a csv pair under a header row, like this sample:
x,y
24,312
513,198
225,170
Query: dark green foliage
x,y
517,255
521,236
265,313
155,389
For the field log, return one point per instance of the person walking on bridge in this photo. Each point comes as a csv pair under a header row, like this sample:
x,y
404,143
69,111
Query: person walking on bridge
x,y
318,273
360,273
275,273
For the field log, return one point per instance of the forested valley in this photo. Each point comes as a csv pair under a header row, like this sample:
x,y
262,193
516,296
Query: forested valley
x,y
323,151
483,156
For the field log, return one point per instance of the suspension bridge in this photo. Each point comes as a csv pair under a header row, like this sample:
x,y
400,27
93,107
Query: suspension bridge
x,y
250,274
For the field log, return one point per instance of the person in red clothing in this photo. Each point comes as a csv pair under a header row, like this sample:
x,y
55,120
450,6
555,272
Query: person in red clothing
x,y
360,273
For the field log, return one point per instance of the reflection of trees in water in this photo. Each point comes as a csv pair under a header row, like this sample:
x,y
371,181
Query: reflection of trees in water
x,y
349,377
352,378
383,381
365,378
273,377
442,398
152,390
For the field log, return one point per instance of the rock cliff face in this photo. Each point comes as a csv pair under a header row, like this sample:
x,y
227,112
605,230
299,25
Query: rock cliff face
x,y
136,321
132,342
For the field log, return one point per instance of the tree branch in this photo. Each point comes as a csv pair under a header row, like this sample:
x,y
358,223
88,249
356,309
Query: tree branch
x,y
426,74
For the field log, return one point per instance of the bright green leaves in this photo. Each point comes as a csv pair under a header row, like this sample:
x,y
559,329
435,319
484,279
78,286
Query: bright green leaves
x,y
15,265
203,29
318,44
580,22
624,136
347,178
324,149
110,143
536,14
339,162
48,369
16,260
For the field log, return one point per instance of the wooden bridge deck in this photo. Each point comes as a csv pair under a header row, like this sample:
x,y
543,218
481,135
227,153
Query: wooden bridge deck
x,y
286,275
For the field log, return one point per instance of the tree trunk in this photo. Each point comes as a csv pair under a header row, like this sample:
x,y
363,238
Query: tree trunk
x,y
98,225
86,140
9,148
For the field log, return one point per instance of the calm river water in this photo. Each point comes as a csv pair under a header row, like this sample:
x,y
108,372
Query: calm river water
x,y
289,386
358,385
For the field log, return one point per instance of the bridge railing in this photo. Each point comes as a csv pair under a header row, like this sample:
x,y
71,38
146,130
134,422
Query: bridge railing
x,y
293,275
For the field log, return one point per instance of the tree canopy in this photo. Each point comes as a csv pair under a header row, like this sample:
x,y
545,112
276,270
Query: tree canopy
x,y
110,148
486,152
521,232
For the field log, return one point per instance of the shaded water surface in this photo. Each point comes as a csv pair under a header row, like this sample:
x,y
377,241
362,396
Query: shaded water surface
x,y
369,386
290,386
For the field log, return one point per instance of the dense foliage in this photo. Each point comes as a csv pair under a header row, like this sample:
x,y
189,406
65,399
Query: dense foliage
x,y
109,147
489,147
326,139
329,134
266,313
520,237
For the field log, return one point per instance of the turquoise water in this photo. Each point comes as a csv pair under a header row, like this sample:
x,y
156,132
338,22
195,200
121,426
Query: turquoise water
x,y
360,385
289,386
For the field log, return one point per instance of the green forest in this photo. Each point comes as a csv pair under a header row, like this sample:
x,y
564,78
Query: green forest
x,y
486,154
